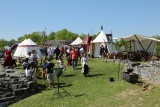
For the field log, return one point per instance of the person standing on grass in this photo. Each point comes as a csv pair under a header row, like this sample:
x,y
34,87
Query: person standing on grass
x,y
61,63
61,51
8,59
74,58
49,71
69,59
102,50
123,48
50,53
57,52
83,61
43,66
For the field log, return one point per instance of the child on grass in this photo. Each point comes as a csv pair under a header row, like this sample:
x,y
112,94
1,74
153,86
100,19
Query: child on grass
x,y
61,63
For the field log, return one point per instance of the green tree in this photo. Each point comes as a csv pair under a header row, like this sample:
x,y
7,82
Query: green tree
x,y
71,36
158,44
20,39
3,43
35,36
51,36
11,42
64,34
82,36
94,36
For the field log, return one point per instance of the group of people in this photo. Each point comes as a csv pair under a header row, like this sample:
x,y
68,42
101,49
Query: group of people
x,y
30,62
72,55
105,55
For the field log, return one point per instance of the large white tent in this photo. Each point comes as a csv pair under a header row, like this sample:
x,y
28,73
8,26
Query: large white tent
x,y
102,39
141,43
78,41
27,46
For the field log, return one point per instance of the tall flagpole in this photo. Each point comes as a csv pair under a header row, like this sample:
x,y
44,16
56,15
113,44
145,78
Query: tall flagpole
x,y
44,36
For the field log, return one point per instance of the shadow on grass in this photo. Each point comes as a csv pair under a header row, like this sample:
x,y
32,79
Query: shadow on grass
x,y
42,87
79,95
66,85
69,75
63,85
95,75
139,82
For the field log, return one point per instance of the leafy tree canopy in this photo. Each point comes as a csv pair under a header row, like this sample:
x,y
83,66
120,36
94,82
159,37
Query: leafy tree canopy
x,y
64,34
51,36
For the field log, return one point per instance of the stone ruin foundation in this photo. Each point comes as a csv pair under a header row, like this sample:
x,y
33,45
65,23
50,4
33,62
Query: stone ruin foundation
x,y
14,87
149,71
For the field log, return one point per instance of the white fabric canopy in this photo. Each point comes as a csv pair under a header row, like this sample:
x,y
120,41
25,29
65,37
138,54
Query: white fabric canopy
x,y
27,46
140,38
100,38
148,43
78,41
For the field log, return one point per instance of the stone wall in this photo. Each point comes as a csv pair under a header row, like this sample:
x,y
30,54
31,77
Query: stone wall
x,y
56,43
14,86
148,71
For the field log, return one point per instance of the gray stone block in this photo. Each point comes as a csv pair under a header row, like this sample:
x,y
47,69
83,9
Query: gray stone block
x,y
5,99
10,94
20,92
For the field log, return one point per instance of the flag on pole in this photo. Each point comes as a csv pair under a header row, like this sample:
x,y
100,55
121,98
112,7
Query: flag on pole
x,y
102,27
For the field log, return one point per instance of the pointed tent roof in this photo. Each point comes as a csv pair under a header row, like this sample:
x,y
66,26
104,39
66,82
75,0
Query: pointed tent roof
x,y
27,42
100,38
78,41
27,46
86,39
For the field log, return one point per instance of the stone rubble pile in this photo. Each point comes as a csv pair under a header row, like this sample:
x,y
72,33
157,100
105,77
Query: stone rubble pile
x,y
148,71
14,87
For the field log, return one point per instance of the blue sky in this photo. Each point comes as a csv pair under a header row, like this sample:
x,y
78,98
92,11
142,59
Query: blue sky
x,y
122,17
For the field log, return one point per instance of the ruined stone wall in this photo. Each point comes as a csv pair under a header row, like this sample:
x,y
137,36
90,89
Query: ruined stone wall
x,y
148,71
14,86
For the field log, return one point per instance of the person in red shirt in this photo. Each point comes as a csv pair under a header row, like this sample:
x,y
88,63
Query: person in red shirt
x,y
8,59
74,58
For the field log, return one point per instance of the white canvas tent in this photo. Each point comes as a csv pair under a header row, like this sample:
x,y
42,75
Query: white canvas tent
x,y
101,39
141,43
27,46
78,41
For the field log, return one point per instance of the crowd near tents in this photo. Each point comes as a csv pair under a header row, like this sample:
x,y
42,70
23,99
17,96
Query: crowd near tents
x,y
92,46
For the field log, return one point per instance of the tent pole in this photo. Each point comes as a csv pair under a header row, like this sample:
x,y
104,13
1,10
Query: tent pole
x,y
134,46
130,45
149,45
152,52
117,43
140,43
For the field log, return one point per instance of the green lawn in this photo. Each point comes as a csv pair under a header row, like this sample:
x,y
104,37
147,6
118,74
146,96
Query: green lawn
x,y
94,91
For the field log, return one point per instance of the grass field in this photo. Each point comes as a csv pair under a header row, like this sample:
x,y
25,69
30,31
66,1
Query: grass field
x,y
94,91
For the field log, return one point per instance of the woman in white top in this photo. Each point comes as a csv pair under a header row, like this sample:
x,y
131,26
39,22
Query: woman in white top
x,y
83,61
